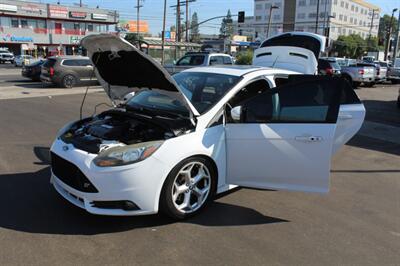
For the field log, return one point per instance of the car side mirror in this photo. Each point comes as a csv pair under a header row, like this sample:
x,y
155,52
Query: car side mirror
x,y
236,113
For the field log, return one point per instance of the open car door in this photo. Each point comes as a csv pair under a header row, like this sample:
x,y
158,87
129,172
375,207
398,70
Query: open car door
x,y
295,51
285,136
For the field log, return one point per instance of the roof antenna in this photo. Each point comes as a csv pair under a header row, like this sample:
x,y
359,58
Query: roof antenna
x,y
273,65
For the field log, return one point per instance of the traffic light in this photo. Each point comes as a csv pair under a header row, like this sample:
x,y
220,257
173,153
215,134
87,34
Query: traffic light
x,y
241,17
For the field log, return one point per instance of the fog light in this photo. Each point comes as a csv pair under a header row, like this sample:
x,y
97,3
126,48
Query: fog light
x,y
125,205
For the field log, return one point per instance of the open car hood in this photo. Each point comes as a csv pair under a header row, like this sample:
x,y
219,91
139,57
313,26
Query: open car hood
x,y
121,68
295,51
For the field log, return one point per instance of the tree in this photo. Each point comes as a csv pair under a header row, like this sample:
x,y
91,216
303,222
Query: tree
x,y
244,58
353,46
226,29
384,23
194,28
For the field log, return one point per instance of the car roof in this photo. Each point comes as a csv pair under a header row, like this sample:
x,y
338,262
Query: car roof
x,y
236,70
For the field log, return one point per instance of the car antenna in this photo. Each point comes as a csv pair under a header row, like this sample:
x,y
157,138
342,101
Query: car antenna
x,y
276,59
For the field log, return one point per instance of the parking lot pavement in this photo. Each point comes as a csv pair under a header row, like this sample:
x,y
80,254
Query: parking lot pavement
x,y
13,85
357,223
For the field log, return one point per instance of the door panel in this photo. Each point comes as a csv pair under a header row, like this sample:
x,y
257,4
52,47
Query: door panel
x,y
275,156
350,120
285,136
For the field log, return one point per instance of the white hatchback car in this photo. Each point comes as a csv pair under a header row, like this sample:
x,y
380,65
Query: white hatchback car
x,y
183,139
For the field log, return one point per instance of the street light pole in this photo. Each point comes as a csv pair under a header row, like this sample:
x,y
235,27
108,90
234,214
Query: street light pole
x,y
269,19
163,34
389,31
396,41
316,20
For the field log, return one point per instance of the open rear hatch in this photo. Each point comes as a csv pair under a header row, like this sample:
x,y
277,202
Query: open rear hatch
x,y
295,51
121,68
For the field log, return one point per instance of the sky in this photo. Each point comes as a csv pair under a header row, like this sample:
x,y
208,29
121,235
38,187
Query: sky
x,y
152,10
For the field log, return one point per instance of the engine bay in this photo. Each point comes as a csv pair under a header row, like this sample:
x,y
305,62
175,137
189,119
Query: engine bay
x,y
117,128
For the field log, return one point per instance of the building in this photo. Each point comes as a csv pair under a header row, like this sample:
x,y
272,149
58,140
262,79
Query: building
x,y
341,17
47,29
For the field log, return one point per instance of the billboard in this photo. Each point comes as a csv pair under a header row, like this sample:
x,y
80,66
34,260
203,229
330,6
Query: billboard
x,y
131,26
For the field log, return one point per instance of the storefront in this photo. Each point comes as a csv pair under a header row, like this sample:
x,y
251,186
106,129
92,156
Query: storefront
x,y
46,29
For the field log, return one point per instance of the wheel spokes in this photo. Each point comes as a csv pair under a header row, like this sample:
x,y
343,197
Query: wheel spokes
x,y
191,187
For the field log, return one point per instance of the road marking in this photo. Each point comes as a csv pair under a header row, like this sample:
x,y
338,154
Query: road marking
x,y
380,131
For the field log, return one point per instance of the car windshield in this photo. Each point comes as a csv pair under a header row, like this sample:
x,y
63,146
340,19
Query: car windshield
x,y
204,90
156,100
334,64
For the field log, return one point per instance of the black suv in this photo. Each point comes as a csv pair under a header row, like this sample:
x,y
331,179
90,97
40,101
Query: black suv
x,y
67,71
328,67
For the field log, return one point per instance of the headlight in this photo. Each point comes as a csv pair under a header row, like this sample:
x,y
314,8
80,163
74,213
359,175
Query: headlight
x,y
127,154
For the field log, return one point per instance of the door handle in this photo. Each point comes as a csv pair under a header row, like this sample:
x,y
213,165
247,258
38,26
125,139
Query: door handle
x,y
308,138
345,116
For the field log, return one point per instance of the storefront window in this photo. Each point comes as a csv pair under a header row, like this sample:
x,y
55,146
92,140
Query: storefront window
x,y
14,23
90,27
24,23
41,24
5,21
31,23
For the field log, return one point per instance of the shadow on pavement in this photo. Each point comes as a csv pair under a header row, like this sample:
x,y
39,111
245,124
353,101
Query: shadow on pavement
x,y
29,203
374,144
385,112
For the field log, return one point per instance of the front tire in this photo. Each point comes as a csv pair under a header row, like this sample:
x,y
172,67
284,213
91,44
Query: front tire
x,y
68,81
189,188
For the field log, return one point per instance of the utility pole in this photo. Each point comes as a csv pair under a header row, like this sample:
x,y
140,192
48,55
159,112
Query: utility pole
x,y
316,20
178,21
396,41
163,34
372,23
187,22
138,6
389,31
80,3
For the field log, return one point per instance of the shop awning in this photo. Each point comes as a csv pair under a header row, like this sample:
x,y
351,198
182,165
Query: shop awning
x,y
171,43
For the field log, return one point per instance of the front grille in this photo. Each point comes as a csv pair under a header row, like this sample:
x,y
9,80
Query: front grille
x,y
70,174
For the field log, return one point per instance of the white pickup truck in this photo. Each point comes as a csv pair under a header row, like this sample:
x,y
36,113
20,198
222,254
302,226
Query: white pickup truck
x,y
198,59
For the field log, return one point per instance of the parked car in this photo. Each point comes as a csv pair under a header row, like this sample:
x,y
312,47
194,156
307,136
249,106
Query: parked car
x,y
33,70
356,73
384,69
198,59
328,67
67,71
183,139
6,56
393,74
21,60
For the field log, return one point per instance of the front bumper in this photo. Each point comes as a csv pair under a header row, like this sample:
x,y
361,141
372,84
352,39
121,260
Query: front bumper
x,y
139,183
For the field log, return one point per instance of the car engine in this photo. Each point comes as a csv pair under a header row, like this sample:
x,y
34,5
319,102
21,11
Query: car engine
x,y
113,128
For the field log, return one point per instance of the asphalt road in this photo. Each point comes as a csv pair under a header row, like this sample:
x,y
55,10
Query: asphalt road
x,y
357,223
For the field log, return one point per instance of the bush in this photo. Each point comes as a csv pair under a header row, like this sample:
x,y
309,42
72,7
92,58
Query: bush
x,y
244,58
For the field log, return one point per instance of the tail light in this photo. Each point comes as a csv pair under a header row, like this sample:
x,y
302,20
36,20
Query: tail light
x,y
329,71
361,71
51,71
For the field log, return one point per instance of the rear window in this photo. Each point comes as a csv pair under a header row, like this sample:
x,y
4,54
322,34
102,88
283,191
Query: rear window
x,y
191,60
334,64
49,63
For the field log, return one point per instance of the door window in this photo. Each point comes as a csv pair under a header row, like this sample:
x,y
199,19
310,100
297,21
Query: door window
x,y
216,60
227,60
301,102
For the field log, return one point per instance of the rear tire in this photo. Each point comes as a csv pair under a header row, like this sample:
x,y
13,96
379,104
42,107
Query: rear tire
x,y
189,188
395,81
68,81
370,84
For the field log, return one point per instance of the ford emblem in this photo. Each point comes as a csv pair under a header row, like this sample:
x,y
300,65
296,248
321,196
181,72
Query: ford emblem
x,y
65,148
